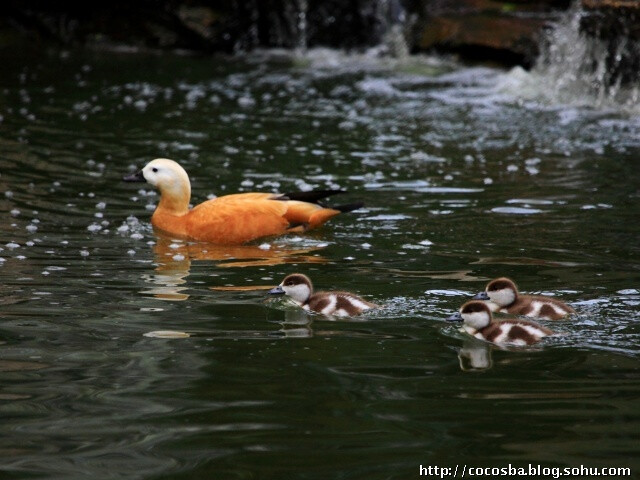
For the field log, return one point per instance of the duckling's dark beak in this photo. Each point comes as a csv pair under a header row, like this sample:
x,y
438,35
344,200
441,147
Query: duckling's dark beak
x,y
276,291
480,296
134,177
456,317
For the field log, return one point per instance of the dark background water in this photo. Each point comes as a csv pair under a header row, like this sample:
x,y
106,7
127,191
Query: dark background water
x,y
463,181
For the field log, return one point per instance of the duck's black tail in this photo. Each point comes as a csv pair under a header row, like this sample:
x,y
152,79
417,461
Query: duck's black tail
x,y
350,207
312,196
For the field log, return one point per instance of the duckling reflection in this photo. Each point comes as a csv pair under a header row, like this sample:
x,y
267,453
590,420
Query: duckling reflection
x,y
296,324
475,355
173,261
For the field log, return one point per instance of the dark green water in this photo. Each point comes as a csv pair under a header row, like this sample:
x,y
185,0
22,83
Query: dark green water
x,y
462,182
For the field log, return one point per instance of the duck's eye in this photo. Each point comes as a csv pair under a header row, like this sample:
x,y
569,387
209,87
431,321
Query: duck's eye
x,y
154,170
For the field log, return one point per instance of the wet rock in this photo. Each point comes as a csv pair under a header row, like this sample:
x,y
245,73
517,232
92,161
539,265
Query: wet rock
x,y
616,23
506,32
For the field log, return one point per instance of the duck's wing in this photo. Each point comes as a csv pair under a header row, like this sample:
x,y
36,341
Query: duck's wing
x,y
237,218
242,217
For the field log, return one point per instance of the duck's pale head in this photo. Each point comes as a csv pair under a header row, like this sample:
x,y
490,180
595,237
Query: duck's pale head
x,y
502,291
296,285
475,314
168,177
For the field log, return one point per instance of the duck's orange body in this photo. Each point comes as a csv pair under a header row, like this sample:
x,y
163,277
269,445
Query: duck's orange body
x,y
231,219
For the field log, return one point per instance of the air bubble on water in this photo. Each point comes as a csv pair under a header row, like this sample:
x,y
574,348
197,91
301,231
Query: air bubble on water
x,y
55,268
8,194
246,101
264,246
247,183
150,206
101,205
91,194
123,228
31,228
366,246
140,105
137,236
29,243
20,257
512,168
94,227
98,214
175,246
131,252
487,181
12,245
178,257
15,212
230,150
629,291
346,125
84,253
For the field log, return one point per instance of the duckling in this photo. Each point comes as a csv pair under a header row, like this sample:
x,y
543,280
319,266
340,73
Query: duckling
x,y
230,219
478,322
502,296
339,304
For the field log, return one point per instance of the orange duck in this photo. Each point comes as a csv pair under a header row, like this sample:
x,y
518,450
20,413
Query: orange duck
x,y
231,219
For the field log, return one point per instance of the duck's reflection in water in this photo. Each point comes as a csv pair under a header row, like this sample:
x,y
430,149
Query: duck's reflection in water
x,y
173,259
475,355
296,324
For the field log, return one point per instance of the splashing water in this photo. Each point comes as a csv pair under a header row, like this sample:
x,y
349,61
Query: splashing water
x,y
575,68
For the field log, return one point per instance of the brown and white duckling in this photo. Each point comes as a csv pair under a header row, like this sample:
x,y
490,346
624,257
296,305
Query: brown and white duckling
x,y
479,322
340,304
502,296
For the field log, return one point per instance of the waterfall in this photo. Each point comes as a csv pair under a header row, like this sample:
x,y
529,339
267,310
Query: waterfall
x,y
301,26
578,65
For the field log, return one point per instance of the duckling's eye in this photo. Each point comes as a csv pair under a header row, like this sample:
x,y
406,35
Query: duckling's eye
x,y
154,170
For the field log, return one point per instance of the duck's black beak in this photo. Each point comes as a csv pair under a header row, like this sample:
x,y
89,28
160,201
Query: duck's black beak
x,y
276,291
134,177
456,317
480,296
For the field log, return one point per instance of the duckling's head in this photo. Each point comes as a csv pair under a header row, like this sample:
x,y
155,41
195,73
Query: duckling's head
x,y
501,291
475,314
296,285
168,177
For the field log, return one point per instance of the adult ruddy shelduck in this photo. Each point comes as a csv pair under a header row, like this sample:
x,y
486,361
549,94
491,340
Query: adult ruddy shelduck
x,y
230,219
